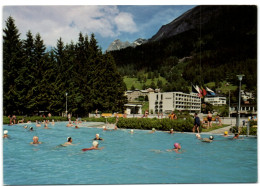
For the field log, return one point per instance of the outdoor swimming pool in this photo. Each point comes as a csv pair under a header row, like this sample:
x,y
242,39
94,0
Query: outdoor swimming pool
x,y
126,158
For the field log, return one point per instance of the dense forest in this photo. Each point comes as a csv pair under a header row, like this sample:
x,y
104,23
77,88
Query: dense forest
x,y
216,51
37,80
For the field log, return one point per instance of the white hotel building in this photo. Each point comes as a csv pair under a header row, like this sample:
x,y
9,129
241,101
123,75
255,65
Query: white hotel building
x,y
169,101
216,100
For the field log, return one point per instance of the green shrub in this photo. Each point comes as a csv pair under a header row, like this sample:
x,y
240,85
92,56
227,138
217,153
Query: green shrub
x,y
252,130
159,124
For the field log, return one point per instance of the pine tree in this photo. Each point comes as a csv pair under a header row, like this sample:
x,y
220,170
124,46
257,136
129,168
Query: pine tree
x,y
12,63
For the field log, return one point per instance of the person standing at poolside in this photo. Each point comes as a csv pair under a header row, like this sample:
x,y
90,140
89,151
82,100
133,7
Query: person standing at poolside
x,y
96,113
196,123
219,120
69,117
14,119
209,117
36,140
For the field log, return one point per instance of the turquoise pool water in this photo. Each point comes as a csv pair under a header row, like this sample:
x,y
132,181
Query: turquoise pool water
x,y
137,158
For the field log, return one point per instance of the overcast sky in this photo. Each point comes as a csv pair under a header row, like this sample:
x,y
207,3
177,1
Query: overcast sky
x,y
108,23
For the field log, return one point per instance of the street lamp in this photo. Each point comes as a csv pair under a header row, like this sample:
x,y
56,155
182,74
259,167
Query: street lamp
x,y
66,104
240,77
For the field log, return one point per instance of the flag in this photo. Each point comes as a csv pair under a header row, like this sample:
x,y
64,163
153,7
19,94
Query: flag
x,y
194,90
204,93
199,91
210,92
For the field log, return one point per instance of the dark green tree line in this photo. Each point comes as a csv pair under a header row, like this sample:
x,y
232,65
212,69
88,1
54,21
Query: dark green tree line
x,y
38,80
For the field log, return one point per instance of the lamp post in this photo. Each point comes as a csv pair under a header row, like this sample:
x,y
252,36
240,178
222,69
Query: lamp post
x,y
66,104
240,77
229,103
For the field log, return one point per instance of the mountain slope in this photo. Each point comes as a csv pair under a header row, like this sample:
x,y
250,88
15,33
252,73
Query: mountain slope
x,y
221,40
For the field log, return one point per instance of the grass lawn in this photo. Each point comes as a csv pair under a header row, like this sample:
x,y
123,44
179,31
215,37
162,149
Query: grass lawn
x,y
214,127
138,85
225,88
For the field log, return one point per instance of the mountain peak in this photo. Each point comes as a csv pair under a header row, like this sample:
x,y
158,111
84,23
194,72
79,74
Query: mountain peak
x,y
118,44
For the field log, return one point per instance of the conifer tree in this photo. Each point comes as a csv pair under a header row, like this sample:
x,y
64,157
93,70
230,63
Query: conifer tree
x,y
12,63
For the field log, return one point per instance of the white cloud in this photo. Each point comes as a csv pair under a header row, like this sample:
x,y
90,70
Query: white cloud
x,y
125,23
53,22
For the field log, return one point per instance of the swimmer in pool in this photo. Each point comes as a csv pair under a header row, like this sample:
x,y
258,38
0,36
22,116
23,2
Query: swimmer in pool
x,y
46,126
198,136
38,124
236,136
95,146
171,131
131,131
225,134
52,122
25,126
69,124
153,131
76,127
208,140
31,129
104,128
5,134
69,142
97,137
176,148
35,140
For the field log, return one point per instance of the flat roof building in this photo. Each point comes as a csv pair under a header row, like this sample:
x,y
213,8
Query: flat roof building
x,y
169,101
216,100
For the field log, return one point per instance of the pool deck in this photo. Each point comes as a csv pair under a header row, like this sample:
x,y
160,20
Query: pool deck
x,y
218,131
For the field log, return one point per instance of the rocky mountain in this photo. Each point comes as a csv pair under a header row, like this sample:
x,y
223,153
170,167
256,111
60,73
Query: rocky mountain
x,y
192,19
118,44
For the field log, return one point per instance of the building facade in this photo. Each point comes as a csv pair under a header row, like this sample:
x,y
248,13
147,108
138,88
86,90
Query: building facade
x,y
133,95
169,101
216,100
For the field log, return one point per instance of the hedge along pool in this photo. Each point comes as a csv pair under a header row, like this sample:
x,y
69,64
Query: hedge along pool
x,y
137,158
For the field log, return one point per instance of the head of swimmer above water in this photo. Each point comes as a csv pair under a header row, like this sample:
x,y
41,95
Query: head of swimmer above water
x,y
35,139
95,144
177,146
69,139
